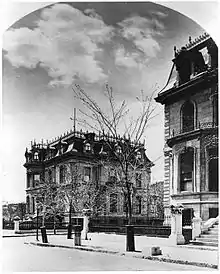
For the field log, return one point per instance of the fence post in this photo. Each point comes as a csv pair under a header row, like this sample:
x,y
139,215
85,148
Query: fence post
x,y
176,236
196,227
16,224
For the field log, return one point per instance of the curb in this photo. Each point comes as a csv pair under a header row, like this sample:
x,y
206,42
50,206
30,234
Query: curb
x,y
152,258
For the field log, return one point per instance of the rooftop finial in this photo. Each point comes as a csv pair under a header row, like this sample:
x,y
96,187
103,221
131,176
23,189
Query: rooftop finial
x,y
190,39
175,53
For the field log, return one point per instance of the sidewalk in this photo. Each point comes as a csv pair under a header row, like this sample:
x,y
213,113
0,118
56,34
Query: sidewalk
x,y
116,244
24,233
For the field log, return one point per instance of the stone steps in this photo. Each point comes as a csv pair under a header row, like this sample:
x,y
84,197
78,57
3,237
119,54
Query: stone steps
x,y
208,238
213,236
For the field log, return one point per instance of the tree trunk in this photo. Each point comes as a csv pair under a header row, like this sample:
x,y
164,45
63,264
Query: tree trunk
x,y
54,225
69,232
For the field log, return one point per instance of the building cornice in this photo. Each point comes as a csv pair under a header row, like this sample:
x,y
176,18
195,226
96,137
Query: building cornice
x,y
192,86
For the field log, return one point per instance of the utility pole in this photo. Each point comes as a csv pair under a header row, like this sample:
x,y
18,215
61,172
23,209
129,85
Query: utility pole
x,y
74,120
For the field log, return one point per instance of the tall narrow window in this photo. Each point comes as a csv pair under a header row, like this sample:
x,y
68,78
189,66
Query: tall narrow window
x,y
138,205
28,204
215,109
36,179
186,170
62,175
113,203
138,180
188,117
87,174
33,205
50,175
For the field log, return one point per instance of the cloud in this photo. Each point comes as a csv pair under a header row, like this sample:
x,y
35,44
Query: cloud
x,y
142,33
127,59
66,43
160,14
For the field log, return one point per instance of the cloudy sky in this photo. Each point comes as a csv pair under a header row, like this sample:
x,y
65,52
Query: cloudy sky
x,y
128,45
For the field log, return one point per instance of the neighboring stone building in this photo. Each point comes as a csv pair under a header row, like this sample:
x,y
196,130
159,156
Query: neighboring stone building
x,y
190,98
11,210
88,151
155,200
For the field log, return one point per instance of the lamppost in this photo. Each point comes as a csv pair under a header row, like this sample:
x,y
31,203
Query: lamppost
x,y
37,223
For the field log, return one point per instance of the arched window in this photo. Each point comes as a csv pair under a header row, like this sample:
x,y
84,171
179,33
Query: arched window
x,y
118,150
36,156
138,156
187,117
87,147
186,170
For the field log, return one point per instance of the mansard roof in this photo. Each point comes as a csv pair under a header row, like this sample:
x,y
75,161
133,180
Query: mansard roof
x,y
74,144
191,53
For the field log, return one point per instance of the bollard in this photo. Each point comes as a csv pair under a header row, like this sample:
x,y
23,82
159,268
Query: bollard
x,y
69,232
44,234
77,235
130,238
155,250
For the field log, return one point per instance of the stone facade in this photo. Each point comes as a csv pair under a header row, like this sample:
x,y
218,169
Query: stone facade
x,y
191,131
87,151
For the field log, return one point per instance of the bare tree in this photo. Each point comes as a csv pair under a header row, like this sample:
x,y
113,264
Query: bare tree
x,y
78,193
125,145
47,201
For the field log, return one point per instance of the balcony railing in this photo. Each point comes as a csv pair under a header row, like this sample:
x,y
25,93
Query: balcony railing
x,y
205,125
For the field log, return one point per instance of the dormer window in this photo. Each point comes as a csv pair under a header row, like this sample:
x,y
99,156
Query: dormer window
x,y
36,156
138,156
87,147
118,150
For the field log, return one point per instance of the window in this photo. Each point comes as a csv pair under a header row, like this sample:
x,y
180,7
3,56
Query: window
x,y
213,169
138,205
187,216
36,156
112,175
87,173
138,179
28,204
96,173
33,205
28,180
113,203
125,205
186,170
139,155
215,109
36,180
62,175
50,177
188,117
87,147
198,61
118,150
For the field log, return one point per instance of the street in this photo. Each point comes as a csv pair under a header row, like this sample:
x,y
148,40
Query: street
x,y
20,257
